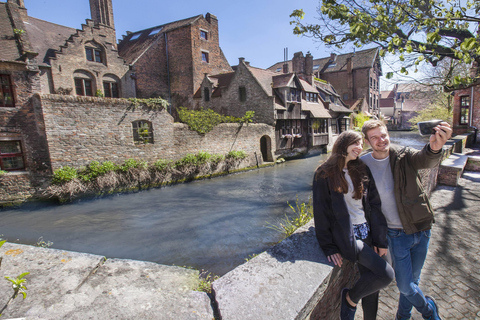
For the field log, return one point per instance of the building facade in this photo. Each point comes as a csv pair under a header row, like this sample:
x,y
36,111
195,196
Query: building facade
x,y
170,60
355,77
305,112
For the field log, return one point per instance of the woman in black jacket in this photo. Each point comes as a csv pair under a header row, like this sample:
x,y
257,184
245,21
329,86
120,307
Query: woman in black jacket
x,y
349,223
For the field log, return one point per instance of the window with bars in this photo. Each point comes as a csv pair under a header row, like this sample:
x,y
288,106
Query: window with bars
x,y
6,91
83,87
11,155
464,109
142,132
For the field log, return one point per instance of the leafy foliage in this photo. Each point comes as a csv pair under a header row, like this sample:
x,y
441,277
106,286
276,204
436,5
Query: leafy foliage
x,y
303,213
18,285
64,174
432,111
358,120
152,103
205,120
236,155
2,172
206,279
424,30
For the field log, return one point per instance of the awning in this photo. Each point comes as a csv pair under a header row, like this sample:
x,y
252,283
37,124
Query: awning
x,y
316,110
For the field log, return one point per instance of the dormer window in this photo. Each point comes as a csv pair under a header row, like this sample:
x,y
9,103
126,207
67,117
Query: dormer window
x,y
153,32
315,67
331,65
136,36
203,34
278,69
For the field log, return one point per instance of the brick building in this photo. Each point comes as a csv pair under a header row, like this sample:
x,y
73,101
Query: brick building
x,y
300,108
355,77
466,108
37,56
170,60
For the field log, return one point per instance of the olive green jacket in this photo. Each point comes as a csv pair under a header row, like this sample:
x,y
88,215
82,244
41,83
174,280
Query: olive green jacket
x,y
413,205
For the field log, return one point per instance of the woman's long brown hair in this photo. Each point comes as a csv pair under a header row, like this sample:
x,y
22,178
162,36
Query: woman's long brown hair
x,y
332,168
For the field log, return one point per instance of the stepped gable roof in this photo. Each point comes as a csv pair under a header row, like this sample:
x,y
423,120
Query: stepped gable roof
x,y
264,78
131,50
360,59
9,50
47,37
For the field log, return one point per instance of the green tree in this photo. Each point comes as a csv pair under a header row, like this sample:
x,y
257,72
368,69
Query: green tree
x,y
418,31
436,110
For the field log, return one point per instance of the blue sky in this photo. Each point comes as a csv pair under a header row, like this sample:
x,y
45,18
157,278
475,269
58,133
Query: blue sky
x,y
256,30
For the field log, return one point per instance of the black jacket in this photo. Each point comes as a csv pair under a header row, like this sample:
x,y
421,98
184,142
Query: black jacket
x,y
333,227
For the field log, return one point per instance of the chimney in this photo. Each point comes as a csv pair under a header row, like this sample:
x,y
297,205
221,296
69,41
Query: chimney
x,y
333,57
349,65
285,67
18,3
241,60
211,18
298,62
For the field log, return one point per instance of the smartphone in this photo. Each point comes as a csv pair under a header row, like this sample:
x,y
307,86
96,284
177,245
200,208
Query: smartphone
x,y
426,127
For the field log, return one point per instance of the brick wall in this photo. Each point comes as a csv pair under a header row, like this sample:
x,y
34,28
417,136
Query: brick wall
x,y
475,116
82,129
185,69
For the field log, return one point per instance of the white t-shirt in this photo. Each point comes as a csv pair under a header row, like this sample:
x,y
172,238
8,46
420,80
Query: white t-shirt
x,y
382,174
355,207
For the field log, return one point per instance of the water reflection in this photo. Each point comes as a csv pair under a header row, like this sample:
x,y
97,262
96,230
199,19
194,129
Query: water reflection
x,y
210,224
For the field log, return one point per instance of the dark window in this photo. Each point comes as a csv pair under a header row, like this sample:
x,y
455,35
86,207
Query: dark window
x,y
11,155
334,126
110,89
206,94
464,109
142,132
242,91
311,97
345,96
204,34
83,87
94,55
6,91
294,95
205,56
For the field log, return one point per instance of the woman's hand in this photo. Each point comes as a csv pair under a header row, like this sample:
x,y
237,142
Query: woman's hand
x,y
381,251
336,259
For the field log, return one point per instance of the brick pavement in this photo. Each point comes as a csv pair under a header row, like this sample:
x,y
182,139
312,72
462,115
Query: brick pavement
x,y
452,270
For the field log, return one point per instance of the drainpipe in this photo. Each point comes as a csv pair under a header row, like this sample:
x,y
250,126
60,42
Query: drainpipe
x,y
471,107
168,76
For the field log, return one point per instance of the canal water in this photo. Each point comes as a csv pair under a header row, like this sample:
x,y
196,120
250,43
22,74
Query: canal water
x,y
212,224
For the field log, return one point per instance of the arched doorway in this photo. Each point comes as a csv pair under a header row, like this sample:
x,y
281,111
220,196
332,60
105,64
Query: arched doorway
x,y
266,148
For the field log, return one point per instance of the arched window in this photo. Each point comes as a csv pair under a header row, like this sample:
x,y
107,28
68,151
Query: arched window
x,y
84,83
94,52
111,87
142,132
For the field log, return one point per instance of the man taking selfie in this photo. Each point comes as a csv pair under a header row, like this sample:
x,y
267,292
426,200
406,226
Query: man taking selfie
x,y
406,208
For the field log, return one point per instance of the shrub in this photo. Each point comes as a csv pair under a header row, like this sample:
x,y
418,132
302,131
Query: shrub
x,y
236,155
205,120
95,169
162,164
132,163
202,157
64,174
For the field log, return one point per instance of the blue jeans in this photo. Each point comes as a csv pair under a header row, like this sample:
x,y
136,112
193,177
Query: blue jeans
x,y
409,252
